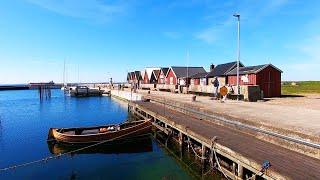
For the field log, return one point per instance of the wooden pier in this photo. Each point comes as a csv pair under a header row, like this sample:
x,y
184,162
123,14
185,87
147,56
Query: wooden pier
x,y
240,154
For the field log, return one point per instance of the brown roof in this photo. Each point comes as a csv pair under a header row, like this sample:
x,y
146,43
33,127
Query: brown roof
x,y
251,69
183,72
223,69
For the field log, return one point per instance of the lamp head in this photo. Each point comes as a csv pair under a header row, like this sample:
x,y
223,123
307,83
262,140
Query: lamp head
x,y
236,15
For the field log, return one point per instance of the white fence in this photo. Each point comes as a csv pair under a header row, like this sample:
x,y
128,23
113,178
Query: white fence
x,y
129,96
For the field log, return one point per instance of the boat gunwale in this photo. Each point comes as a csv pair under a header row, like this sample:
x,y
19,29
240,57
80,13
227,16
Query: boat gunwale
x,y
97,134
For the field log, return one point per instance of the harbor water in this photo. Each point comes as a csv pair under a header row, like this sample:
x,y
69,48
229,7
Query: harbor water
x,y
24,124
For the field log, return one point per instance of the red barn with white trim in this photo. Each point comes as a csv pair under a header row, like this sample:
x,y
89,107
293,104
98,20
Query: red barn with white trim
x,y
162,75
267,76
171,77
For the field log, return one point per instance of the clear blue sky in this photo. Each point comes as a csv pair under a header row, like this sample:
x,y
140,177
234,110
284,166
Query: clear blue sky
x,y
108,38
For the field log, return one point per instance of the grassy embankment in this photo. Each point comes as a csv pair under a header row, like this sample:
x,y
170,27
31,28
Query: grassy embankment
x,y
301,87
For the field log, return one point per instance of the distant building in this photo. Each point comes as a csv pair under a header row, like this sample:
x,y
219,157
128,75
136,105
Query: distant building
x,y
147,74
131,77
267,76
137,77
181,75
134,77
220,72
162,75
154,76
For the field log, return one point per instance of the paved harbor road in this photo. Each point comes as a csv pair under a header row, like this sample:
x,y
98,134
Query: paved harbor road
x,y
285,162
295,116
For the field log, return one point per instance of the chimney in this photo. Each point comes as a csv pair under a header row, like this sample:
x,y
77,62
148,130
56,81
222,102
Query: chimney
x,y
211,67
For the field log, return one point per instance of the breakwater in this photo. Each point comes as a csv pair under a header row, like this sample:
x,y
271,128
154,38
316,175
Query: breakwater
x,y
13,87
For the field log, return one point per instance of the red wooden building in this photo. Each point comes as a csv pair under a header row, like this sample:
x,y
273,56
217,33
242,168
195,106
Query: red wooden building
x,y
199,79
147,75
145,78
181,75
162,75
267,76
171,78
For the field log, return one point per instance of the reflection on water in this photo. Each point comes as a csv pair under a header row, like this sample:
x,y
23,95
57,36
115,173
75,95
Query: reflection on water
x,y
120,102
128,146
1,129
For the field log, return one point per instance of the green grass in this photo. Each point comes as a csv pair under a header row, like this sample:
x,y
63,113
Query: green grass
x,y
301,87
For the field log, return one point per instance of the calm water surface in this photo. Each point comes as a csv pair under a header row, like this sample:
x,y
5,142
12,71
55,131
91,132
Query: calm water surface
x,y
24,124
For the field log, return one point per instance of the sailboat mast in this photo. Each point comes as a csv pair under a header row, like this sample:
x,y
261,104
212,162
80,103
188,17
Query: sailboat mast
x,y
64,72
78,75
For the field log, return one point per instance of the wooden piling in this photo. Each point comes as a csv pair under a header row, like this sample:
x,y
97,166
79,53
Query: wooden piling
x,y
203,153
240,171
234,169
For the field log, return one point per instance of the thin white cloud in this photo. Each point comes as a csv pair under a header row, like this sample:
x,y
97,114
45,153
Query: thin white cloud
x,y
186,4
214,32
251,11
306,66
209,35
312,47
172,34
85,9
305,70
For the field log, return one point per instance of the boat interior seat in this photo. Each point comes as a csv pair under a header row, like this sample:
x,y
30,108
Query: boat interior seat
x,y
92,131
69,132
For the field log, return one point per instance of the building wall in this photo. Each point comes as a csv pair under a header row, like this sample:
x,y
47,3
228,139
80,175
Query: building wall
x,y
269,81
248,79
161,78
195,81
153,79
133,79
222,81
171,78
145,78
203,81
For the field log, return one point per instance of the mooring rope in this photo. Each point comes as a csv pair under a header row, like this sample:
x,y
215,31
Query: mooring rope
x,y
215,155
46,159
195,151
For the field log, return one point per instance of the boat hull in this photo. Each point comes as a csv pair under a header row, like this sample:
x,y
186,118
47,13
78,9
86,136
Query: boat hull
x,y
137,128
126,146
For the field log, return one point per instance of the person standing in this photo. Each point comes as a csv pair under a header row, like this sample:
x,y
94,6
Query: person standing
x,y
216,86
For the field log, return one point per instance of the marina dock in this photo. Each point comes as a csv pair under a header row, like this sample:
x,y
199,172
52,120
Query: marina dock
x,y
241,154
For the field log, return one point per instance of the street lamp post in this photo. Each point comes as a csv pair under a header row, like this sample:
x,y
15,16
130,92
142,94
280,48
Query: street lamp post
x,y
238,58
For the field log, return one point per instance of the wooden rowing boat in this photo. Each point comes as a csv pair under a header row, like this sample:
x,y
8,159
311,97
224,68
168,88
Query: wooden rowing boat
x,y
100,133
